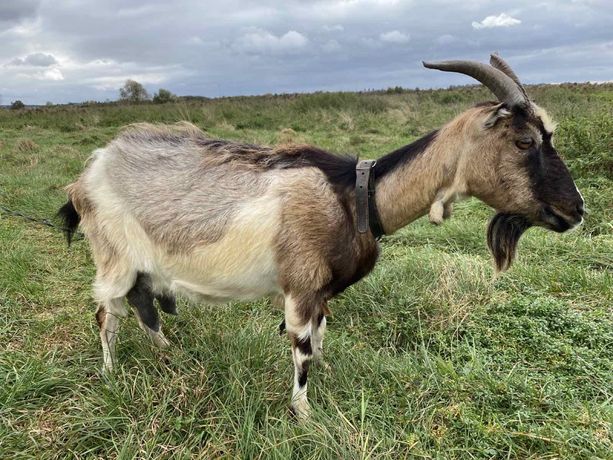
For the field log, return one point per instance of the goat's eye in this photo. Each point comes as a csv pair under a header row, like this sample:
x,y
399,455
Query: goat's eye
x,y
525,143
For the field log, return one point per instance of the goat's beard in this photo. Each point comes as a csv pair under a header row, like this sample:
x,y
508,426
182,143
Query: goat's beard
x,y
503,234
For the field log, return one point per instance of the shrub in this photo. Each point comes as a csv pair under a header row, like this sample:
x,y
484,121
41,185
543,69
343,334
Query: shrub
x,y
163,96
395,90
16,105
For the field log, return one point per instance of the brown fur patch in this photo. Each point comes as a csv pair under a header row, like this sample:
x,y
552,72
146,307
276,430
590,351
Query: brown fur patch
x,y
100,316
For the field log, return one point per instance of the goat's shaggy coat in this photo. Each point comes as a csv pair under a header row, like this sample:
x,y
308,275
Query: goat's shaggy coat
x,y
168,210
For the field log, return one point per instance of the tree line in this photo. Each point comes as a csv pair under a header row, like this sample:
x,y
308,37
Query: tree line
x,y
131,91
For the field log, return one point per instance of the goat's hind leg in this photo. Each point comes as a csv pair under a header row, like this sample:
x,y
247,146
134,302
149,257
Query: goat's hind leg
x,y
107,316
167,303
140,297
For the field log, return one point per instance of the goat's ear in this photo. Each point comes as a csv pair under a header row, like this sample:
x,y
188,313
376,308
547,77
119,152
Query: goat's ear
x,y
498,112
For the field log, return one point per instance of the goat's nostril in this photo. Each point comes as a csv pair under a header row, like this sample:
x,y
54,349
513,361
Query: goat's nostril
x,y
581,210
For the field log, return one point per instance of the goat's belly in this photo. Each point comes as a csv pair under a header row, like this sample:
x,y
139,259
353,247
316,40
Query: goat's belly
x,y
217,276
241,265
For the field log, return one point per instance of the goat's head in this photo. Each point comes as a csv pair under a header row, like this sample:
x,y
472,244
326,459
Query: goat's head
x,y
513,165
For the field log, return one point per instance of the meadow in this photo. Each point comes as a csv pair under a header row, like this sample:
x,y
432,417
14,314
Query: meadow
x,y
431,356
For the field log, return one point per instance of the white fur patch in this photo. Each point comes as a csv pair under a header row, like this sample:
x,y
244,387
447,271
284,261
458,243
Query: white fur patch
x,y
241,265
548,123
293,321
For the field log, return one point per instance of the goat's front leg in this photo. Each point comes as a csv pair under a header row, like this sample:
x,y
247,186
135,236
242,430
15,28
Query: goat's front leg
x,y
299,329
318,324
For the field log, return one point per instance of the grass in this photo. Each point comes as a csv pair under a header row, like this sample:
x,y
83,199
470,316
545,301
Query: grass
x,y
431,356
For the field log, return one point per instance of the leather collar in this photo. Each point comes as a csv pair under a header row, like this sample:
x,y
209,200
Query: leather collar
x,y
366,206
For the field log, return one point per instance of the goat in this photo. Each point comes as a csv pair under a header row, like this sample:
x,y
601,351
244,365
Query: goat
x,y
168,210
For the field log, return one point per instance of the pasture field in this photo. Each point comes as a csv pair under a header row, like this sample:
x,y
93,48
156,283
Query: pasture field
x,y
430,356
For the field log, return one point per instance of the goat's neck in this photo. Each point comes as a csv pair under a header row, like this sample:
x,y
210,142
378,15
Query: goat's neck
x,y
427,182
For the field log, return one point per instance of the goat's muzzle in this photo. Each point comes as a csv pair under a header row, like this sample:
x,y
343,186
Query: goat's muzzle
x,y
555,219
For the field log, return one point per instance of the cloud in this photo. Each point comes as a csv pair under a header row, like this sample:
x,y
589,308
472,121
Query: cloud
x,y
446,39
502,20
394,37
331,46
14,11
52,74
262,41
36,60
334,28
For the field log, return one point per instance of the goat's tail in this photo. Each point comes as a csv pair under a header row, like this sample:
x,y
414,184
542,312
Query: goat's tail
x,y
71,218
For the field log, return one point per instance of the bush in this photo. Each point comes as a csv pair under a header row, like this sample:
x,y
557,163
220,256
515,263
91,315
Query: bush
x,y
394,90
163,96
17,105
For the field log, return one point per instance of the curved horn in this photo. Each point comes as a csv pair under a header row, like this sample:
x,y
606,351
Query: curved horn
x,y
499,83
502,65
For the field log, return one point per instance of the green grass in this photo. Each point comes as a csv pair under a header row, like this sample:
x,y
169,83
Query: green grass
x,y
431,356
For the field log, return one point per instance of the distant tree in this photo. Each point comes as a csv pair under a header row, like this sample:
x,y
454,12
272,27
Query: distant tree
x,y
48,103
133,91
163,96
16,105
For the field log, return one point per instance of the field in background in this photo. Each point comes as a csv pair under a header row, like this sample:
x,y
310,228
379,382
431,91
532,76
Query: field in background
x,y
430,356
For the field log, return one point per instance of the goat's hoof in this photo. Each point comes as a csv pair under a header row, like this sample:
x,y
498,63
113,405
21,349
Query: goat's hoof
x,y
160,340
106,371
301,411
437,210
321,362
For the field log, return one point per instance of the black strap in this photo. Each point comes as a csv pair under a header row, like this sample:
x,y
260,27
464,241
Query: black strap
x,y
366,206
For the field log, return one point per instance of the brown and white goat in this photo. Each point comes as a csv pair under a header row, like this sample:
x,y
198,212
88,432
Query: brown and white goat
x,y
168,210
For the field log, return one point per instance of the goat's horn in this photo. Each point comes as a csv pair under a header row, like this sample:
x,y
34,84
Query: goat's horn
x,y
499,83
502,65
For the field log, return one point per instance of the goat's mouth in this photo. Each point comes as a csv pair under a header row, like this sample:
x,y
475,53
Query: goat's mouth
x,y
553,219
503,234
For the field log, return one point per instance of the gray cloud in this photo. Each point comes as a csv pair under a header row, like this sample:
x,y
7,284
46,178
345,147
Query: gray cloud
x,y
35,59
233,47
15,11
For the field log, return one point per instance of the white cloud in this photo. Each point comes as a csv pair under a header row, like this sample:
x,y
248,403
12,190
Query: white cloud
x,y
395,36
52,74
502,20
262,41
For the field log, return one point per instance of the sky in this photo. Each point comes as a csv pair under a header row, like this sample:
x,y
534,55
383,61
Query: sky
x,y
79,50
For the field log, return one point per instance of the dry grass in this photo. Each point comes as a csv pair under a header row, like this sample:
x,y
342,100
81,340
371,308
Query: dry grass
x,y
25,146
